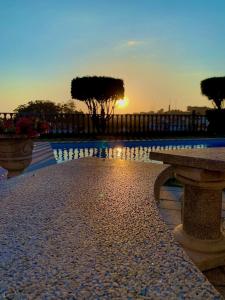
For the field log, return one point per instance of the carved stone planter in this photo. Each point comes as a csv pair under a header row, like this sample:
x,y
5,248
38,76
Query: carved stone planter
x,y
15,153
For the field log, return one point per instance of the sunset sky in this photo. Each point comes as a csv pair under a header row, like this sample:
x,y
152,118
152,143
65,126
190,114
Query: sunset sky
x,y
162,49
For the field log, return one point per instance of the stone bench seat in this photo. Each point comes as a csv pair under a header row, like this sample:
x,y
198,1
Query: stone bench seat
x,y
90,229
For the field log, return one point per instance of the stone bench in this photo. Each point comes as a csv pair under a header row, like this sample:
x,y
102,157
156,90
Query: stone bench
x,y
90,229
202,172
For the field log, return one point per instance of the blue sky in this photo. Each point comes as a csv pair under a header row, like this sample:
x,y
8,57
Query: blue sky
x,y
162,49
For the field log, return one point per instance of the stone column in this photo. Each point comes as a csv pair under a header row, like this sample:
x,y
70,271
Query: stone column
x,y
202,212
201,232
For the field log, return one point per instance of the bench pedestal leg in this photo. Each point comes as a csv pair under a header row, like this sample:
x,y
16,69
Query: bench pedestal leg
x,y
200,232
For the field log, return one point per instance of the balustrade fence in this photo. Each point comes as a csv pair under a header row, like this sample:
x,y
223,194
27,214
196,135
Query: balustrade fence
x,y
127,124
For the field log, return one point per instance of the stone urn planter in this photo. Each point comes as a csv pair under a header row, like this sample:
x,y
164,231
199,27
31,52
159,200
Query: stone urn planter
x,y
15,153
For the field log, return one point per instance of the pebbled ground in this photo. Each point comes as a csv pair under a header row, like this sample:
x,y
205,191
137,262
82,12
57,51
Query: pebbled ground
x,y
90,229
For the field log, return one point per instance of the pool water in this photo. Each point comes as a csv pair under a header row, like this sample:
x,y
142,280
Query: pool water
x,y
126,150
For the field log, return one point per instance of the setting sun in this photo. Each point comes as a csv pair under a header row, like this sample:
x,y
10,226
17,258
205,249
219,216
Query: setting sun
x,y
122,103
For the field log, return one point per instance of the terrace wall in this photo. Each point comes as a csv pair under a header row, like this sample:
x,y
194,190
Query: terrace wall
x,y
123,125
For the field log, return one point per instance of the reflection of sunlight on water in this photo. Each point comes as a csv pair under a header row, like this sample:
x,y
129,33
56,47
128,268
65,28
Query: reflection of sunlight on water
x,y
118,151
140,153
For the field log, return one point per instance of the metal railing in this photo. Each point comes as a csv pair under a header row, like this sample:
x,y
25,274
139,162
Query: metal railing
x,y
123,125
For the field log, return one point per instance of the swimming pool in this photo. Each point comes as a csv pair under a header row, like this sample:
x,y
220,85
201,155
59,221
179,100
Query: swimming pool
x,y
137,150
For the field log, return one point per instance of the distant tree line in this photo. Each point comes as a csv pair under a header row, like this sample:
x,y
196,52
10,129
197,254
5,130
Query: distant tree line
x,y
50,107
42,107
201,110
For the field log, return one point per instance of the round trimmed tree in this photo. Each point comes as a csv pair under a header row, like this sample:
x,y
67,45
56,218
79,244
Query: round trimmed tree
x,y
99,93
214,89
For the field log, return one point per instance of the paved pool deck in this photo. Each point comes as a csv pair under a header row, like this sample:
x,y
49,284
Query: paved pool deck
x,y
90,229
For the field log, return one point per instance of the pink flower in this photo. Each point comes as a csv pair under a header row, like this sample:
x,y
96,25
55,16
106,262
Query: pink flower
x,y
29,126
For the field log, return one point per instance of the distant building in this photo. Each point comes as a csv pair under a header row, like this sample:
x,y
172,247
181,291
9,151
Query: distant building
x,y
200,110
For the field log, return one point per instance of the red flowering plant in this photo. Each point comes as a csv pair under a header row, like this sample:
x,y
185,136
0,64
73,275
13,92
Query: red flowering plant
x,y
28,126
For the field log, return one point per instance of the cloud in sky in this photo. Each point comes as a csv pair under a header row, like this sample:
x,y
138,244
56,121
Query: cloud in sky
x,y
134,43
129,44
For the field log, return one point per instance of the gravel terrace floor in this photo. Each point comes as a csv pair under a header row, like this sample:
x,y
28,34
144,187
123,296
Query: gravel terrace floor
x,y
90,229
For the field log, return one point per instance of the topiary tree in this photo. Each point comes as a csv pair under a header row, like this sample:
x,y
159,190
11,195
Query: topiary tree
x,y
98,93
214,89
